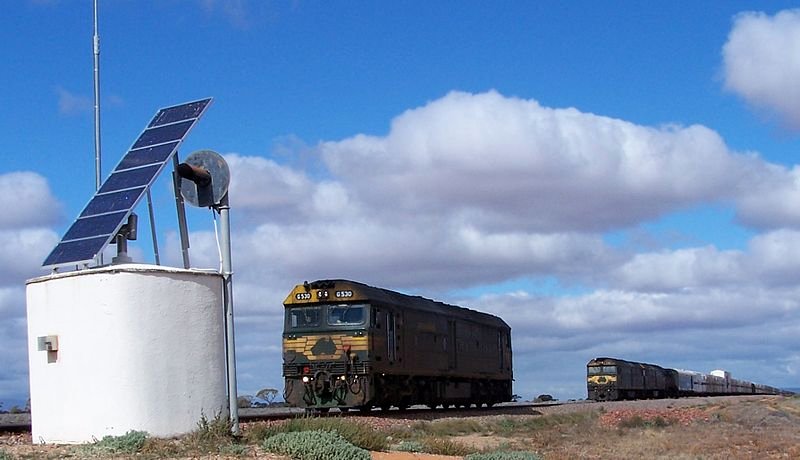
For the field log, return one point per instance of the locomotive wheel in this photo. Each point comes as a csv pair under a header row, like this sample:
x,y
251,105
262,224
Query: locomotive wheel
x,y
365,408
385,407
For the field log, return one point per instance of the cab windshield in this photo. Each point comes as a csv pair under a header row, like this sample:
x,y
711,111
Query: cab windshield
x,y
304,317
346,315
326,316
596,370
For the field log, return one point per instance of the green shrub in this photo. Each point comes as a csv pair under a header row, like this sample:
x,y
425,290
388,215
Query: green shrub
x,y
409,446
128,443
356,433
314,445
5,455
503,455
232,449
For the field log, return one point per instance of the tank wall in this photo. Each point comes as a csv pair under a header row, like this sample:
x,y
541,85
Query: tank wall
x,y
137,349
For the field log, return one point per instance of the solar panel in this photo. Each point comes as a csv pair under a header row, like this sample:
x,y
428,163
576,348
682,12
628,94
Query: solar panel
x,y
109,208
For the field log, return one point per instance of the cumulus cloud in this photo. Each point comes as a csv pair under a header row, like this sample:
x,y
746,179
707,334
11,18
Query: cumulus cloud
x,y
769,199
506,163
267,189
762,62
681,269
34,204
27,238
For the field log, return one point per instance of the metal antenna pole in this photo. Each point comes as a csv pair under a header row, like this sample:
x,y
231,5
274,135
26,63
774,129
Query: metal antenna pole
x,y
97,165
227,275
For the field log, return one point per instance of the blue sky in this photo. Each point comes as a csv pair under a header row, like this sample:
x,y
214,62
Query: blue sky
x,y
612,178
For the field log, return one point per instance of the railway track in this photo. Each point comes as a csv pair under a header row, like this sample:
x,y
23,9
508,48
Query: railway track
x,y
22,422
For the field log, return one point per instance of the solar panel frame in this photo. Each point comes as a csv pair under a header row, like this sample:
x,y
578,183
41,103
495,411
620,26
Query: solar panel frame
x,y
108,209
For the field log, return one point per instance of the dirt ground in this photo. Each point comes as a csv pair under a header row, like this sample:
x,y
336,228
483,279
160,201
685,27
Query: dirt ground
x,y
743,427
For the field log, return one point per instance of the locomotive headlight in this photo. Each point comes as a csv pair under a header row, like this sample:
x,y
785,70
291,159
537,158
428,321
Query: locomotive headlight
x,y
342,377
305,379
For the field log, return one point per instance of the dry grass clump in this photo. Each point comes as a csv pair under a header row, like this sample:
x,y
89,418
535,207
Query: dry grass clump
x,y
211,438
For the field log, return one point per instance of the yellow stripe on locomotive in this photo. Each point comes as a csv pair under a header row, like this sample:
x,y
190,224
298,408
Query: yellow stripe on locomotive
x,y
336,344
602,379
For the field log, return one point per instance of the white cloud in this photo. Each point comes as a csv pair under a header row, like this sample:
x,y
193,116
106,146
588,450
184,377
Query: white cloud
x,y
762,62
680,269
507,163
23,252
775,257
266,190
769,199
33,203
70,103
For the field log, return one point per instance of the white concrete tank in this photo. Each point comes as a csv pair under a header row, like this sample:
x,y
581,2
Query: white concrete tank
x,y
124,347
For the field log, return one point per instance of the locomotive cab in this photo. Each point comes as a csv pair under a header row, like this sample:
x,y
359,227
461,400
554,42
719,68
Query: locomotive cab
x,y
602,381
326,357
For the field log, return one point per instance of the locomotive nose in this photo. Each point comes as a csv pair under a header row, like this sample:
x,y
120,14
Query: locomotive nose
x,y
324,346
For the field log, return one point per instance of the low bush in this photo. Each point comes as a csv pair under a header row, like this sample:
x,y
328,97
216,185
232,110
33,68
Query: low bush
x,y
356,433
314,445
409,446
128,443
4,455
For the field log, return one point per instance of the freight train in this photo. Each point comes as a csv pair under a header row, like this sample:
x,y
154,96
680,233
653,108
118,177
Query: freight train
x,y
349,345
611,379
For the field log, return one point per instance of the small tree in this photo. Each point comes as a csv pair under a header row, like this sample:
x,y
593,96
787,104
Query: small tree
x,y
268,395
